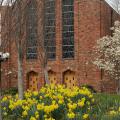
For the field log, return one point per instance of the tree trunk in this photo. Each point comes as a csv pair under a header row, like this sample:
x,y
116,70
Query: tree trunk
x,y
20,78
46,76
0,94
0,112
118,90
0,105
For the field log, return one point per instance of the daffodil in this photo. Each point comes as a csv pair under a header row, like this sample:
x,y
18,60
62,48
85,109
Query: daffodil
x,y
4,99
119,109
5,113
113,112
26,108
81,103
4,108
24,113
40,107
33,118
85,116
60,101
37,114
72,106
71,115
35,93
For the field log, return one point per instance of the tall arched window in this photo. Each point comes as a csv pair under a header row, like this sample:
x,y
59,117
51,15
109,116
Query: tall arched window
x,y
31,43
68,28
49,41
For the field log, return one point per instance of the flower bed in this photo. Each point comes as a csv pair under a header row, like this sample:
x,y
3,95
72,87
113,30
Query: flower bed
x,y
51,103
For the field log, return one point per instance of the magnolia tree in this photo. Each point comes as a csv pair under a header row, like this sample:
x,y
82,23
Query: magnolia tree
x,y
108,54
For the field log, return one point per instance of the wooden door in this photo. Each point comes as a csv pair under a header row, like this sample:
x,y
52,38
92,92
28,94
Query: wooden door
x,y
33,81
69,79
52,77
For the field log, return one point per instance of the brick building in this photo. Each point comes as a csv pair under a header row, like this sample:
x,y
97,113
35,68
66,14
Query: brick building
x,y
69,30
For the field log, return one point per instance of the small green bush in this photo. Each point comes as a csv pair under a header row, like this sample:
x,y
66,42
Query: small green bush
x,y
11,91
91,88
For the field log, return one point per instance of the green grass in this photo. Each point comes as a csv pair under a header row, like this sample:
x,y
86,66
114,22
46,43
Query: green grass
x,y
106,103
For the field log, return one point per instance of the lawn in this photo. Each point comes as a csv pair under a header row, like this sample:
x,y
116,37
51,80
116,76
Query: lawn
x,y
107,106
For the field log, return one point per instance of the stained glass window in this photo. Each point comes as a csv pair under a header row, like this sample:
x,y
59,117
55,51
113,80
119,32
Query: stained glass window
x,y
50,42
68,28
31,31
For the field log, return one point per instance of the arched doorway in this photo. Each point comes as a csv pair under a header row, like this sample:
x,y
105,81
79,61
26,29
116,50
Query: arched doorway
x,y
32,81
52,77
69,79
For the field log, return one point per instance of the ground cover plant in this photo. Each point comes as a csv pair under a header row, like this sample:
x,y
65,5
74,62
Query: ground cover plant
x,y
51,103
61,103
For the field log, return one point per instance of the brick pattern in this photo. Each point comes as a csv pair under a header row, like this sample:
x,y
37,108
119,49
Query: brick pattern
x,y
93,19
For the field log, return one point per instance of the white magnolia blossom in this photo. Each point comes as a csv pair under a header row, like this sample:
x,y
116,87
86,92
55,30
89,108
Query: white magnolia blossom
x,y
108,52
7,2
115,4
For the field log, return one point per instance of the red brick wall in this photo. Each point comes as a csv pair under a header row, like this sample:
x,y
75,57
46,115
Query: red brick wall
x,y
92,21
5,47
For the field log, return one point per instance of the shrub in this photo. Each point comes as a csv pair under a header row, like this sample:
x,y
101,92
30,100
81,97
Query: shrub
x,y
91,88
11,91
